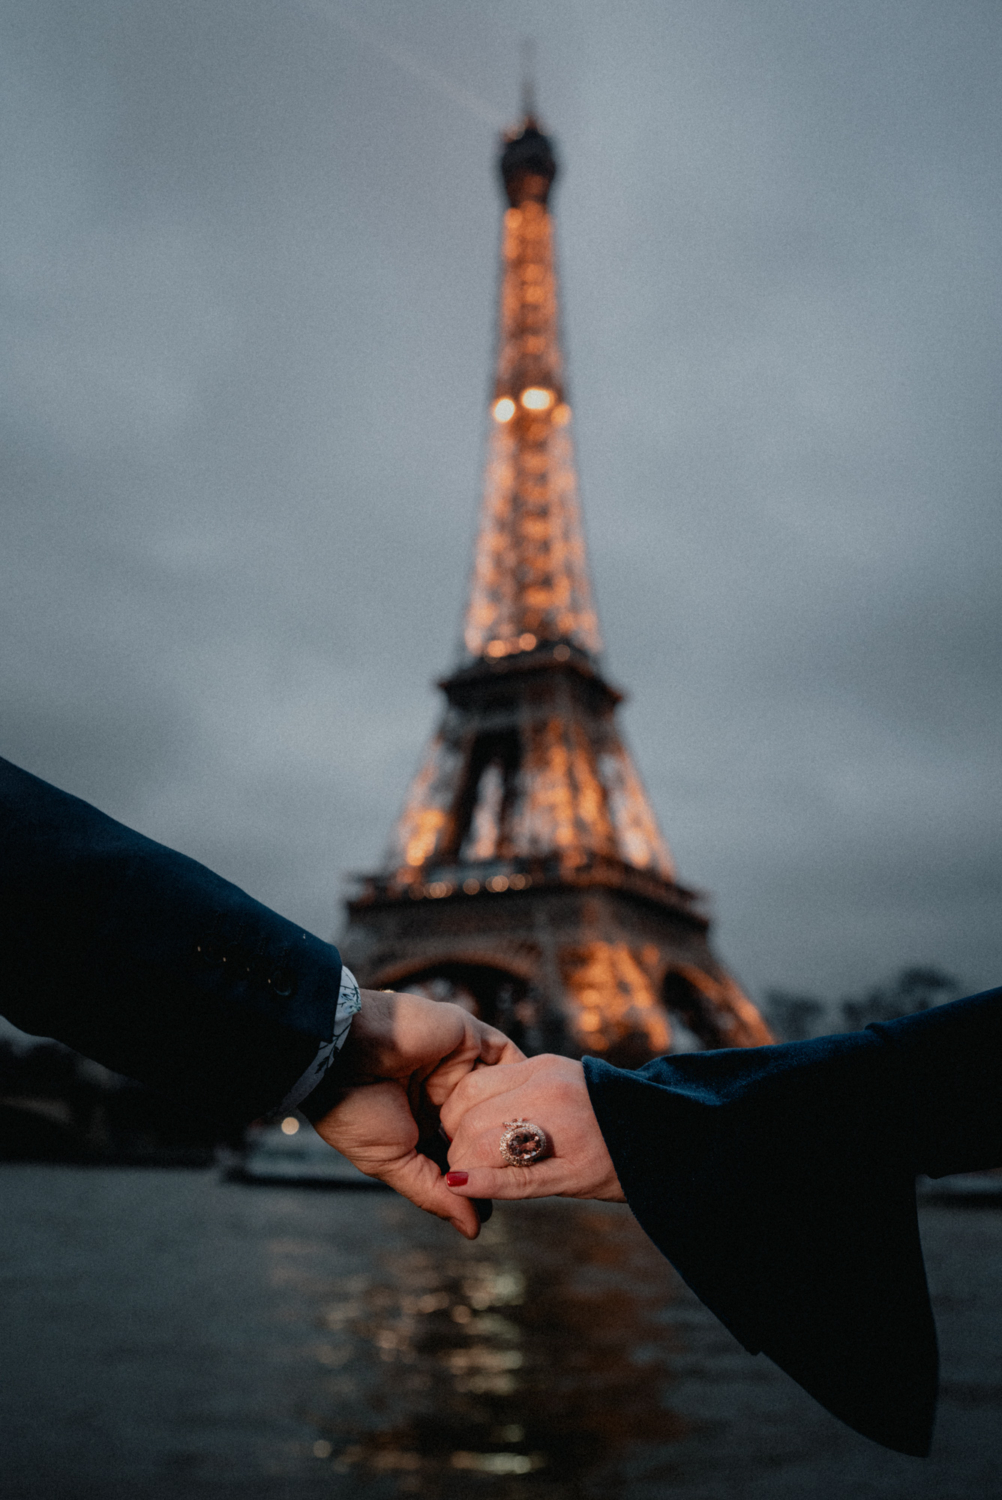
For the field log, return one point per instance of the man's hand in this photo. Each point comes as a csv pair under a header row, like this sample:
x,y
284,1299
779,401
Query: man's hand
x,y
550,1092
401,1061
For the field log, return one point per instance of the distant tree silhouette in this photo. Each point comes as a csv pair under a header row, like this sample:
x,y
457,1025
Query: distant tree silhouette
x,y
913,989
794,1017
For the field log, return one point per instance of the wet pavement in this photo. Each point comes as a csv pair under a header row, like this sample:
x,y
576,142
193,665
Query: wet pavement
x,y
166,1336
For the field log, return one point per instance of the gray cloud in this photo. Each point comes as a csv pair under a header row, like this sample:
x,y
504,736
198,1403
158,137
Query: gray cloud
x,y
248,261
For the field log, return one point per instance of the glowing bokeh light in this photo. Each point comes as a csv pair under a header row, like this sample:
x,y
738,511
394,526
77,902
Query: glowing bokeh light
x,y
290,1125
504,409
536,398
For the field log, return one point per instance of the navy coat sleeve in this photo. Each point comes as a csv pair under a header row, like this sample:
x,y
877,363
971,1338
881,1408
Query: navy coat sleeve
x,y
780,1182
149,963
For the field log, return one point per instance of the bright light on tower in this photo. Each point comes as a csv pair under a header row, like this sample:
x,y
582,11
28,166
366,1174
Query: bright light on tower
x,y
535,398
504,409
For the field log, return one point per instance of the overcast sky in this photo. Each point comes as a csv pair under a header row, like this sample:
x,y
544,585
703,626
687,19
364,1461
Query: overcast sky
x,y
249,253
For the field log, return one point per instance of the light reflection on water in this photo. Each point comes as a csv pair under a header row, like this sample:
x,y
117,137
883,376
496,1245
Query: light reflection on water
x,y
538,1351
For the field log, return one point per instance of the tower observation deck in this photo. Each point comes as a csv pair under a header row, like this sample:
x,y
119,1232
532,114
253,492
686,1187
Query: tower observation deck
x,y
527,877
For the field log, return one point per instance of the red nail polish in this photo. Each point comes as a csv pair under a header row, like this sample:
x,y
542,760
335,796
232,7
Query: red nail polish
x,y
457,1179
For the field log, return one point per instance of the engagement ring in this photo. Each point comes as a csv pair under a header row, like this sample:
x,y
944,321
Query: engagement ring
x,y
522,1143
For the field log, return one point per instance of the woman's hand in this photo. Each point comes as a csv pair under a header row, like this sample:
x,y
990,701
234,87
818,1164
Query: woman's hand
x,y
401,1061
550,1092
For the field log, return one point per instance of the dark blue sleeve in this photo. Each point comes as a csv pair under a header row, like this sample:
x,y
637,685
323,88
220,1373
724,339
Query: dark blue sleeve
x,y
779,1181
149,963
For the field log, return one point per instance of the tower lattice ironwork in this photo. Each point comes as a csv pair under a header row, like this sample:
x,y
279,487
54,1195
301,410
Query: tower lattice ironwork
x,y
527,876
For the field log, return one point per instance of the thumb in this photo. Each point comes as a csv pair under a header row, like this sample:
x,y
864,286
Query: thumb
x,y
415,1177
538,1181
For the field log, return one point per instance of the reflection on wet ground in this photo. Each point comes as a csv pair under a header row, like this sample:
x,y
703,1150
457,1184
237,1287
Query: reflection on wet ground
x,y
539,1350
168,1337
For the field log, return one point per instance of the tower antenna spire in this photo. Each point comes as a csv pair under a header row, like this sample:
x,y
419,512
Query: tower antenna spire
x,y
528,50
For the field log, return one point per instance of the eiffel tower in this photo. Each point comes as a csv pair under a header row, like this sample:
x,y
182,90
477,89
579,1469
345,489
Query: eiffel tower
x,y
527,877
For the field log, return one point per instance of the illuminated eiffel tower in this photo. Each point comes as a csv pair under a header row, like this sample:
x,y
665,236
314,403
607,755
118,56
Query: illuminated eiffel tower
x,y
527,877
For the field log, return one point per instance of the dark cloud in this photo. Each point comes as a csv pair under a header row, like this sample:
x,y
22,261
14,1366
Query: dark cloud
x,y
248,260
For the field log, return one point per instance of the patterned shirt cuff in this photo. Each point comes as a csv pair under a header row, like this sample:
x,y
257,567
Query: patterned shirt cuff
x,y
349,1002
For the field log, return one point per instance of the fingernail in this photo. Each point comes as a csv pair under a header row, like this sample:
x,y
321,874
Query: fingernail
x,y
457,1179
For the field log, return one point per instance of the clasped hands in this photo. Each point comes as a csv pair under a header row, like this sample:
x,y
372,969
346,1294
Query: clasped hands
x,y
416,1070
